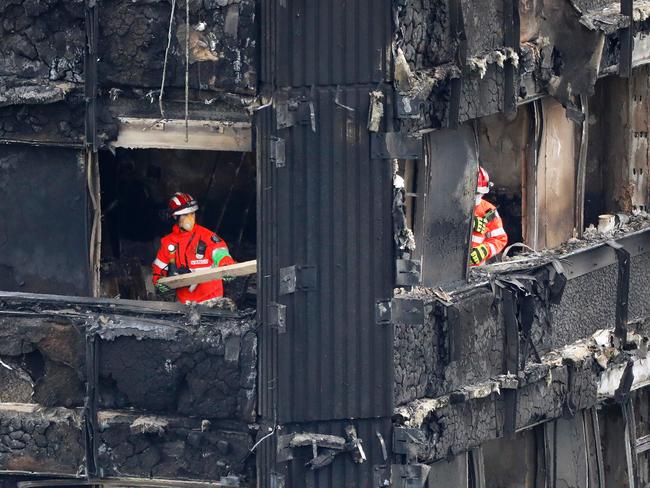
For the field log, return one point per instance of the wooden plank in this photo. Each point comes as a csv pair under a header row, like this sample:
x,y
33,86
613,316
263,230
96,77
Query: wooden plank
x,y
210,274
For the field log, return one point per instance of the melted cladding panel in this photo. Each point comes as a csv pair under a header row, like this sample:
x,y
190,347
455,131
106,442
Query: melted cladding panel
x,y
482,96
639,286
442,226
588,304
484,25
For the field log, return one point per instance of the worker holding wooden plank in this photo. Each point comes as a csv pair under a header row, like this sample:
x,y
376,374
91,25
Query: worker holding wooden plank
x,y
188,250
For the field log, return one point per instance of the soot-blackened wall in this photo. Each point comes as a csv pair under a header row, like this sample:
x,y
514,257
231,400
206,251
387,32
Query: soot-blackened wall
x,y
44,229
223,37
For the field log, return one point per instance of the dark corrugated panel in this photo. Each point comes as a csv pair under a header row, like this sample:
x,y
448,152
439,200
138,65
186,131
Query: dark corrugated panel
x,y
334,212
268,262
329,207
325,42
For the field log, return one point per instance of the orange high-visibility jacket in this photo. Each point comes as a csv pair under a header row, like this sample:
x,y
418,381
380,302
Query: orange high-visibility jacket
x,y
194,250
495,237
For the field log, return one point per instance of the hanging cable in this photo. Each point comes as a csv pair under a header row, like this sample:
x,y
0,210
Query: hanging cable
x,y
164,75
187,69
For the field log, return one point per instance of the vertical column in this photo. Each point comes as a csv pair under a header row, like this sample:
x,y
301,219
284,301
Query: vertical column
x,y
326,245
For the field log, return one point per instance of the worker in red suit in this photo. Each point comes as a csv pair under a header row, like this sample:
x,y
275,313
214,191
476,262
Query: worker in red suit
x,y
488,235
188,248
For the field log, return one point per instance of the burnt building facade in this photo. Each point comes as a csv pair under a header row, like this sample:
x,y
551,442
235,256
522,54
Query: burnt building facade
x,y
337,143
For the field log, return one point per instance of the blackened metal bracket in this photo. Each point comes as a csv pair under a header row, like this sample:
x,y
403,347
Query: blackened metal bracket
x,y
622,291
297,278
407,311
410,475
407,107
408,272
277,151
278,317
407,442
290,112
286,113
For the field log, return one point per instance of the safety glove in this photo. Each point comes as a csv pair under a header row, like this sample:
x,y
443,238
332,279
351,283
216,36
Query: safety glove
x,y
163,289
478,254
480,224
217,255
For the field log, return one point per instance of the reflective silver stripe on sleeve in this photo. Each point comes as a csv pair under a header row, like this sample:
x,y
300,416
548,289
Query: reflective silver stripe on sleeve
x,y
493,249
159,263
496,232
478,239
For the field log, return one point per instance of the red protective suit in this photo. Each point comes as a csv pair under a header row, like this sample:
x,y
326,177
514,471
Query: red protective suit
x,y
494,237
193,255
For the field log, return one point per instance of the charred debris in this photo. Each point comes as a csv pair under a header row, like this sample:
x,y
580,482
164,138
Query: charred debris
x,y
337,143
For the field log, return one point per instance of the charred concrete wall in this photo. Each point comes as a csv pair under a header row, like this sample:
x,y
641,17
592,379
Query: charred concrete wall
x,y
459,344
41,58
425,33
459,422
42,72
223,35
174,397
477,59
640,281
468,339
37,439
144,365
145,446
208,372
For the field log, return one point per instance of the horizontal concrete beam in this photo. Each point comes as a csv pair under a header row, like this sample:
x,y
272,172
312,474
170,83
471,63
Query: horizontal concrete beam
x,y
206,135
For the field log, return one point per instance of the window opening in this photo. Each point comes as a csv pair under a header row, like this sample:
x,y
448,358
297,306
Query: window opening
x,y
504,150
136,187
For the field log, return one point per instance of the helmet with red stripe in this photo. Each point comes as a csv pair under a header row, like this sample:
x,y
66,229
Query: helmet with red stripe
x,y
181,204
484,184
